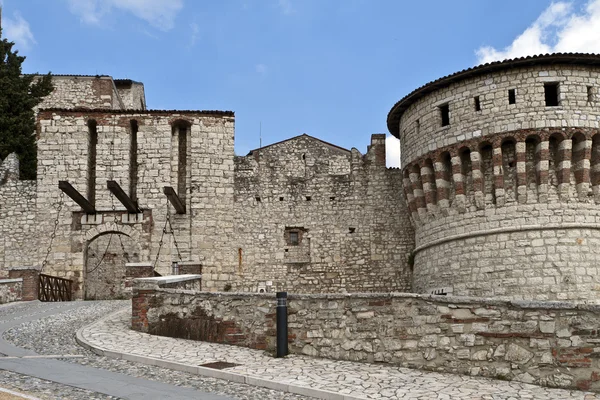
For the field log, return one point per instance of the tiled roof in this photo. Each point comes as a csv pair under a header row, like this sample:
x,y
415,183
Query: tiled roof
x,y
398,109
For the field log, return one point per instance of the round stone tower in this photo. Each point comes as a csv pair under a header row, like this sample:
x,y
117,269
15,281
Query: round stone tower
x,y
501,167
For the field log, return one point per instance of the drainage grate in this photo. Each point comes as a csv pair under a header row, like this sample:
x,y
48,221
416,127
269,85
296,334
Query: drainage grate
x,y
219,365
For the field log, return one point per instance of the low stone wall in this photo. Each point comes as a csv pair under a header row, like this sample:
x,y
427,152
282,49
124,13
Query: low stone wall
x,y
11,290
547,343
30,277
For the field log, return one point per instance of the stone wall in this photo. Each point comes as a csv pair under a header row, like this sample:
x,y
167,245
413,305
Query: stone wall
x,y
131,93
10,290
17,216
505,200
30,277
201,234
312,217
73,91
546,343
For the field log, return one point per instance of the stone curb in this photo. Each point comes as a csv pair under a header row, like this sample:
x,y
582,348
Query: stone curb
x,y
209,372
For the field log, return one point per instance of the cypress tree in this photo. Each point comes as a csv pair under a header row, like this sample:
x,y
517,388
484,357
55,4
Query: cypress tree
x,y
19,94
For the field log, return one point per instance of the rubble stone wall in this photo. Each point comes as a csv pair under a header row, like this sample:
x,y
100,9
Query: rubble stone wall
x,y
546,343
94,92
10,290
345,211
17,216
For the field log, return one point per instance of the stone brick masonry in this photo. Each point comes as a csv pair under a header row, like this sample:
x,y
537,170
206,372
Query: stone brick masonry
x,y
547,343
504,198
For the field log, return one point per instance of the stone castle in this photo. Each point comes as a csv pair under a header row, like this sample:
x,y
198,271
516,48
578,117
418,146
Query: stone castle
x,y
497,195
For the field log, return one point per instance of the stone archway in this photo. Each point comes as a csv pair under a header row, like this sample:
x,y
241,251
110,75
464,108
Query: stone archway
x,y
104,269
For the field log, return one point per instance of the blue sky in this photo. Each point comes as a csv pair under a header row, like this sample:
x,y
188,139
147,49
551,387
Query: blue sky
x,y
329,68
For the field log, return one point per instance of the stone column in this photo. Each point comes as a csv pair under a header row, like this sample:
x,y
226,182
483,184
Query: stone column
x,y
429,189
498,176
459,183
521,155
410,198
442,185
543,155
417,189
477,179
564,169
583,154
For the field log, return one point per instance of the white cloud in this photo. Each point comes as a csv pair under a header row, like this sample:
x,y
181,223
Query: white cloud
x,y
158,13
17,30
286,7
392,151
558,29
261,69
195,33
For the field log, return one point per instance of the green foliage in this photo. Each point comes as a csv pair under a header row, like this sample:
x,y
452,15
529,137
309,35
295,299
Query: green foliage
x,y
18,95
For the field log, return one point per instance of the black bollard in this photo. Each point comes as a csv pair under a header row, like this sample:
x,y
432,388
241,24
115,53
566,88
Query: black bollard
x,y
282,328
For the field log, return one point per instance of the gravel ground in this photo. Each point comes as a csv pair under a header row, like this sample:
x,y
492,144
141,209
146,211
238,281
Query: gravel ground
x,y
55,335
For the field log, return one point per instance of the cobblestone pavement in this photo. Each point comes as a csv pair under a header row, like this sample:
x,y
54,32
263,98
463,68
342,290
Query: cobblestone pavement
x,y
354,380
55,335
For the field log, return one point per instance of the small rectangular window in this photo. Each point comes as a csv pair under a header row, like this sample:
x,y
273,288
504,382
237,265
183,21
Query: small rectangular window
x,y
590,93
512,98
445,114
551,94
477,103
294,239
418,126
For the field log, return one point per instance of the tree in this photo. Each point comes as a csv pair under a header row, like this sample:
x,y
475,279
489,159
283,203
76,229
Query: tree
x,y
19,94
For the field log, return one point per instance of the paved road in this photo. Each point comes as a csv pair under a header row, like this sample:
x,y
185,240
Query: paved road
x,y
41,357
119,385
322,378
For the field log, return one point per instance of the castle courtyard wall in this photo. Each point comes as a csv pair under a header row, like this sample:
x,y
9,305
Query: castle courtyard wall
x,y
546,343
344,209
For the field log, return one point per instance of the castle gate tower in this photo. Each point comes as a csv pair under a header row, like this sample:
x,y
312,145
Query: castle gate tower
x,y
501,172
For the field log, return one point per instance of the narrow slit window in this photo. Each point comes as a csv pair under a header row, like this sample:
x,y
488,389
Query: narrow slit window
x,y
418,126
91,170
551,94
512,98
590,94
133,163
477,103
445,114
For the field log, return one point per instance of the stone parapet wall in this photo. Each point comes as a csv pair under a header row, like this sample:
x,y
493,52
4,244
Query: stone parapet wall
x,y
18,228
11,290
30,278
93,92
547,343
421,129
345,209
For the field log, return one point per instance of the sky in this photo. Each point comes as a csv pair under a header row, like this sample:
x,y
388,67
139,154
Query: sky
x,y
329,68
